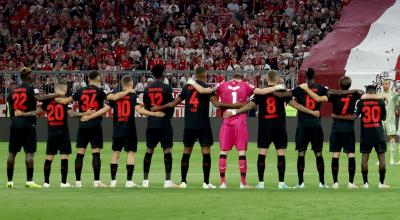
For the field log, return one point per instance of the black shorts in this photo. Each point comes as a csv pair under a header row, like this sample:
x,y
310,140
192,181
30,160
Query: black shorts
x,y
22,138
342,140
306,135
94,136
272,133
58,143
159,135
380,147
126,143
204,135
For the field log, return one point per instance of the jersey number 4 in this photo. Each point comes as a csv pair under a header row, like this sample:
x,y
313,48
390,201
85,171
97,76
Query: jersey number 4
x,y
194,101
89,102
19,100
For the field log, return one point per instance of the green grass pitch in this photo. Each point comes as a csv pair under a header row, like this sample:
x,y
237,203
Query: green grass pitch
x,y
194,202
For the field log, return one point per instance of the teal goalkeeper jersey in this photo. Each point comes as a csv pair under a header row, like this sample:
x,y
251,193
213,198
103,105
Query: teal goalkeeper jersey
x,y
391,103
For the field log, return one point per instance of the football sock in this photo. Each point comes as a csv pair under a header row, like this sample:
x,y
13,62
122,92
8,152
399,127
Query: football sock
x,y
78,166
113,169
365,175
29,168
184,166
352,169
47,170
300,169
64,170
146,165
129,171
243,169
392,143
206,167
281,168
222,167
261,167
96,163
382,173
168,165
10,168
335,169
321,169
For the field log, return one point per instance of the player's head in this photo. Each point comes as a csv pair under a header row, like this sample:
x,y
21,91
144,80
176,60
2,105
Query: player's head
x,y
26,74
273,77
310,75
94,77
345,83
158,71
127,82
371,89
61,87
200,73
386,85
237,76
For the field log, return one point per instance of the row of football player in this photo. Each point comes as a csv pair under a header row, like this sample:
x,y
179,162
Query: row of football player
x,y
158,105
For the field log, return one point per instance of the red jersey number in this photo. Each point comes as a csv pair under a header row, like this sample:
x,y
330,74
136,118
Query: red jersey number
x,y
89,102
271,105
371,114
156,98
346,102
194,101
124,108
310,103
55,112
19,100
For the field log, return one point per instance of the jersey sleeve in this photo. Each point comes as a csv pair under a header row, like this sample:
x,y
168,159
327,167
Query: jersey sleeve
x,y
77,95
146,99
383,108
357,110
250,89
323,90
296,92
256,99
169,93
183,93
44,105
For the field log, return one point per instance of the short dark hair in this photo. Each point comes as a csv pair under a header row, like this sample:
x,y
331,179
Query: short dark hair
x,y
310,73
93,75
126,80
370,89
200,71
345,82
158,71
25,73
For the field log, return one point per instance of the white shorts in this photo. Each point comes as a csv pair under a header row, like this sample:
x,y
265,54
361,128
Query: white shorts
x,y
390,128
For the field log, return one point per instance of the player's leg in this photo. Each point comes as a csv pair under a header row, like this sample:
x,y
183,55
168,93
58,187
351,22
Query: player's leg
x,y
130,167
64,169
96,142
243,168
380,149
114,167
301,147
392,144
166,144
10,168
189,138
262,154
222,168
81,144
349,148
206,141
317,145
335,148
226,144
240,140
152,139
47,169
30,149
281,142
364,169
15,145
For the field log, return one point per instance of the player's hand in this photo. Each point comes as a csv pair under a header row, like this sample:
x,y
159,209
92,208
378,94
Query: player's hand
x,y
18,113
228,114
190,81
280,87
89,112
132,90
155,108
160,114
38,111
316,114
304,86
85,118
238,104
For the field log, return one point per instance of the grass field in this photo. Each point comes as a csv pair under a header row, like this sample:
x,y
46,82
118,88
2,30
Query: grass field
x,y
194,202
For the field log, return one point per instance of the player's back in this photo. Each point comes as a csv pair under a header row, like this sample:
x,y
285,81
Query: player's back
x,y
124,115
271,108
235,91
372,113
158,94
343,105
22,98
57,115
303,98
90,97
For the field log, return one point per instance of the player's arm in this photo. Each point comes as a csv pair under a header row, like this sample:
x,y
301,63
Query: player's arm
x,y
283,94
383,111
268,90
64,101
373,96
249,106
214,100
168,105
200,88
302,108
119,95
19,113
141,110
312,94
97,114
47,97
74,114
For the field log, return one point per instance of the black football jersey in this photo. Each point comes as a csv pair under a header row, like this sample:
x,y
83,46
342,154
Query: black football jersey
x,y
271,108
22,98
57,115
344,105
372,113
